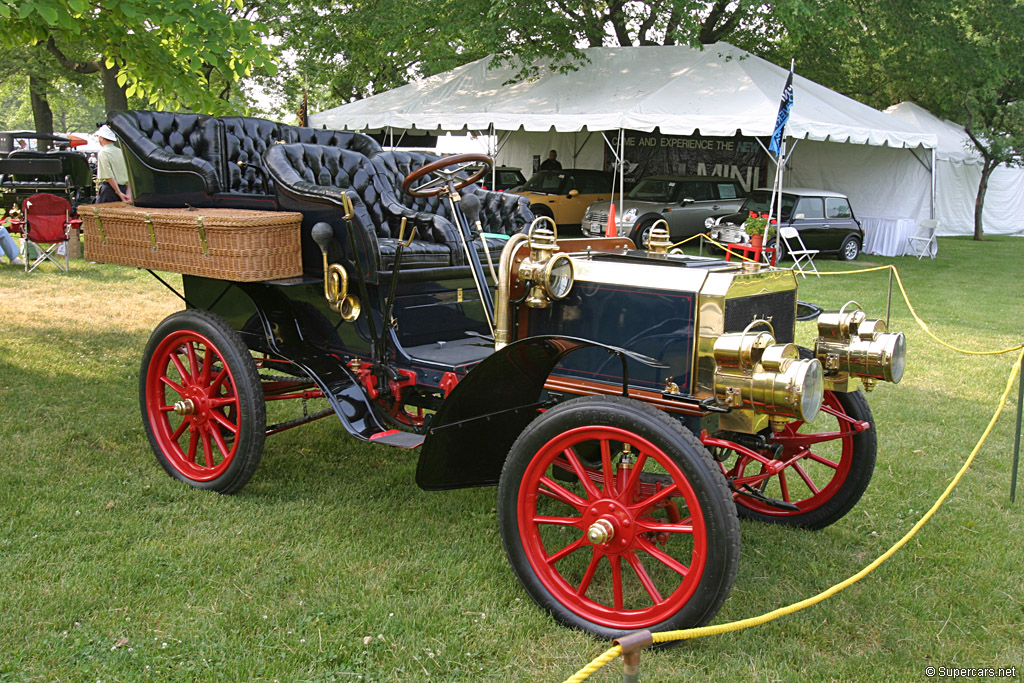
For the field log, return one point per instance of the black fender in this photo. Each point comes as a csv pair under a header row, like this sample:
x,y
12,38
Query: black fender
x,y
475,427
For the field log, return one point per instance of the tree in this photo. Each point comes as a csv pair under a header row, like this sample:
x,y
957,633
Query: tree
x,y
960,59
172,53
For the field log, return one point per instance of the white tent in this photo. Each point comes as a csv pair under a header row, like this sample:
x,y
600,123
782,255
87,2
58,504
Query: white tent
x,y
957,174
718,91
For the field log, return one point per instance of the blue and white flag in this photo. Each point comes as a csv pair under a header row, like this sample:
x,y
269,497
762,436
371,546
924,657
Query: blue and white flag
x,y
780,122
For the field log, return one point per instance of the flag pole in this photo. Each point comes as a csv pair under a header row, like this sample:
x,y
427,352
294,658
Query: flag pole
x,y
778,146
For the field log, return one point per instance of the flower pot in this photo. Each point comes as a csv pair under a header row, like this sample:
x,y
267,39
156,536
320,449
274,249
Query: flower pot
x,y
757,240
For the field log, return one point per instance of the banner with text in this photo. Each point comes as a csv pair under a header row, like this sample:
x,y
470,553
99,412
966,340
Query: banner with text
x,y
647,154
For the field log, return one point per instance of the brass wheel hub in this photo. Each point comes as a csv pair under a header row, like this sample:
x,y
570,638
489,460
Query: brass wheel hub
x,y
611,526
600,532
186,407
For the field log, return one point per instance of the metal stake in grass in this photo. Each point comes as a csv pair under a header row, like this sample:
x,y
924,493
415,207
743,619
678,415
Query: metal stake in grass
x,y
1016,441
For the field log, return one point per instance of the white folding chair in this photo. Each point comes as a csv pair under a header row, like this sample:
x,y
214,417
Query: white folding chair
x,y
803,258
922,243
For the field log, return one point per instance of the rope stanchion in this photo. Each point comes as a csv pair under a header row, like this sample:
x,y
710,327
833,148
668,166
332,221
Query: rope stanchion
x,y
688,634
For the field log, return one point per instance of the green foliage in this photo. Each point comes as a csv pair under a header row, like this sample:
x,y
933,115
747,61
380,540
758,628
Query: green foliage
x,y
175,53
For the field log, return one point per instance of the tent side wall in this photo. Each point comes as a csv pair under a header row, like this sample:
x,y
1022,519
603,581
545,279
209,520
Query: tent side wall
x,y
956,193
522,146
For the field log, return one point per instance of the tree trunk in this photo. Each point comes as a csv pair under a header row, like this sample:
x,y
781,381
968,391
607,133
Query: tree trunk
x,y
114,97
42,115
979,203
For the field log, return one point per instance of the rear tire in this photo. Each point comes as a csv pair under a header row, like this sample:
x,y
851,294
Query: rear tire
x,y
850,249
202,402
629,554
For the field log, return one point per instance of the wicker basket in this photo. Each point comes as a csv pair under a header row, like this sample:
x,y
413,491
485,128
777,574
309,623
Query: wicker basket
x,y
227,244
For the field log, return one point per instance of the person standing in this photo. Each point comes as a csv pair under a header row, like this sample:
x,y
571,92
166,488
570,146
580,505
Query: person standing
x,y
111,169
551,163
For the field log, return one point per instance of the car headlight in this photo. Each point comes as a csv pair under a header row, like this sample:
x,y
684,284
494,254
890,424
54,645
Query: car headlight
x,y
754,373
710,221
851,344
629,216
559,275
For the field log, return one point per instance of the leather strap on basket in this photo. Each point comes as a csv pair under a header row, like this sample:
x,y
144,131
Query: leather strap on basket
x,y
201,227
148,219
99,225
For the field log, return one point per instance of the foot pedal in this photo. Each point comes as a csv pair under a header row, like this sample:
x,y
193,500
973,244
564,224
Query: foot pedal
x,y
398,438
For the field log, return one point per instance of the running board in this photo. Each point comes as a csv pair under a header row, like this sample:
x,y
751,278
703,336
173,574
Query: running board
x,y
398,438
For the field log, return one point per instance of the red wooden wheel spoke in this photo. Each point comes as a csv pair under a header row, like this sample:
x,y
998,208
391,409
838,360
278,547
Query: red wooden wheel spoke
x,y
220,418
177,432
783,485
186,379
566,551
218,439
193,441
591,570
204,374
193,362
560,493
616,562
173,385
221,402
645,578
824,461
807,479
218,381
559,521
651,501
207,448
663,557
581,473
607,469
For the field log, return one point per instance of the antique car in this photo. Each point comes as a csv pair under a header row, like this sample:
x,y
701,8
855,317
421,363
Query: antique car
x,y
629,405
565,195
25,171
823,218
684,202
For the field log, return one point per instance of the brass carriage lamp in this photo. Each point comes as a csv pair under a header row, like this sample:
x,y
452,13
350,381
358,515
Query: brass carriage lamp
x,y
551,275
851,344
753,372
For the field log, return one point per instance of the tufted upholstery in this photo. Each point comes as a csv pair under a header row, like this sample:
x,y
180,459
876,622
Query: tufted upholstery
x,y
363,144
245,141
173,142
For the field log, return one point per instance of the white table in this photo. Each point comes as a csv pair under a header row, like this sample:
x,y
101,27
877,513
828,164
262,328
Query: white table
x,y
887,236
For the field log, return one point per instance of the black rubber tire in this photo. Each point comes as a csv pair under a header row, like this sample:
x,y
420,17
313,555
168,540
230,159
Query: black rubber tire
x,y
706,485
850,249
246,410
539,210
637,235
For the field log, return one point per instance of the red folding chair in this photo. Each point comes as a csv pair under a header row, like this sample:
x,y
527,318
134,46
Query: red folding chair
x,y
47,222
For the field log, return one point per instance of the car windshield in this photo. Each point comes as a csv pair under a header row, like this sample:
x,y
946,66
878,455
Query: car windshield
x,y
548,182
655,190
760,200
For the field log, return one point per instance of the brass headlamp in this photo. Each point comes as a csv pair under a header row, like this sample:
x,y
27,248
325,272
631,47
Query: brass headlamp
x,y
851,344
753,372
551,275
659,241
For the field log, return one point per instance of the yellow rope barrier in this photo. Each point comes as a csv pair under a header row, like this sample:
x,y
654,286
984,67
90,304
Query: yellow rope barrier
x,y
920,322
686,634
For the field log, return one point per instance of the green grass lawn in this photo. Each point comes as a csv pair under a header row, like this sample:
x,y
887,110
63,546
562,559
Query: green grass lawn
x,y
331,565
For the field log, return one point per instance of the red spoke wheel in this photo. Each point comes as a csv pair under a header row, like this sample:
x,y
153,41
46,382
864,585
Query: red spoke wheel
x,y
202,402
398,413
826,466
615,518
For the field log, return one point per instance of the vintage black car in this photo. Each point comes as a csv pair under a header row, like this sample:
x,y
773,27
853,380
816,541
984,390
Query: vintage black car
x,y
628,404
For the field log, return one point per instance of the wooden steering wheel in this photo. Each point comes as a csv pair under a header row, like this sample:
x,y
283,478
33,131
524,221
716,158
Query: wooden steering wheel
x,y
444,177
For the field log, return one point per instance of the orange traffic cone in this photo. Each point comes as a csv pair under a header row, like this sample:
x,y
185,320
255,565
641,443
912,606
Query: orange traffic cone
x,y
610,231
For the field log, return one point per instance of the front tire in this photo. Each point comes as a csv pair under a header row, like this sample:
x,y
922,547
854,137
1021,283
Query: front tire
x,y
829,466
615,518
202,402
642,233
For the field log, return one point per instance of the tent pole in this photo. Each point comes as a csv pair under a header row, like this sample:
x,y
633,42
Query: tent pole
x,y
622,169
931,209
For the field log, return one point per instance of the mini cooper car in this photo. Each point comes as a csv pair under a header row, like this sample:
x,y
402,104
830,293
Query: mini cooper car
x,y
629,405
684,202
824,219
504,178
565,195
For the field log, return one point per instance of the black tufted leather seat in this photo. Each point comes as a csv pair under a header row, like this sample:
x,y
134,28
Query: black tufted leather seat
x,y
318,173
181,158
